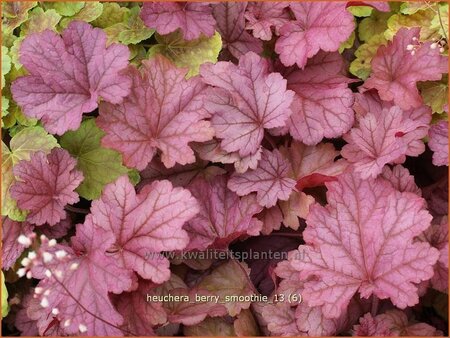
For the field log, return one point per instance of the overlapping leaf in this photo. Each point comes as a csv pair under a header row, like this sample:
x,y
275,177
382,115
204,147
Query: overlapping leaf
x,y
163,112
68,74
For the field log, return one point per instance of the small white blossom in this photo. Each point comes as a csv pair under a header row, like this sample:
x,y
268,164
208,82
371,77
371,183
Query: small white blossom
x,y
67,322
82,328
73,266
47,257
38,290
409,47
44,302
52,242
48,273
25,262
24,240
32,255
60,254
55,311
21,272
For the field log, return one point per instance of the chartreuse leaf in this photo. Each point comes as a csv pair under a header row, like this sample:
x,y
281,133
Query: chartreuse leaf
x,y
409,8
440,20
131,30
364,55
373,25
99,165
190,54
14,13
5,307
21,146
40,20
434,94
66,8
112,14
422,19
6,64
348,43
360,11
91,11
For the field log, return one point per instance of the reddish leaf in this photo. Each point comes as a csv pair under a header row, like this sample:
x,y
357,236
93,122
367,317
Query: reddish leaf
x,y
140,315
45,184
437,236
11,248
381,139
363,241
401,179
393,323
231,26
322,106
193,19
78,284
145,224
223,216
68,75
439,143
246,100
318,26
262,16
163,112
270,180
396,70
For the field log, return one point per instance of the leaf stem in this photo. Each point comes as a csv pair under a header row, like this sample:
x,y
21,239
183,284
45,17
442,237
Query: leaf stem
x,y
375,302
76,210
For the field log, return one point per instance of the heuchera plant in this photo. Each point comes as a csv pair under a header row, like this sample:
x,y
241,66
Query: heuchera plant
x,y
225,168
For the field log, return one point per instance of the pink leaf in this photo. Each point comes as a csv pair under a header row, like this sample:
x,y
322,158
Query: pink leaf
x,y
144,224
45,184
223,216
363,240
371,327
381,139
262,16
396,70
307,161
322,106
439,143
231,26
393,323
163,112
139,314
271,219
401,179
11,249
78,284
193,19
318,26
281,319
246,100
270,180
68,74
437,236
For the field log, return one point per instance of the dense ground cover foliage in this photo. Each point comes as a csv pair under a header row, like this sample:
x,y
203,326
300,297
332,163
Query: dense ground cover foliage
x,y
261,168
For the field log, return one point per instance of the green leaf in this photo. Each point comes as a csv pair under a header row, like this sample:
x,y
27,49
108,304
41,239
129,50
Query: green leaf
x,y
112,14
373,25
6,64
99,165
364,54
434,94
440,21
22,145
14,13
131,30
360,11
409,8
5,306
65,8
91,11
39,21
348,43
422,19
188,54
